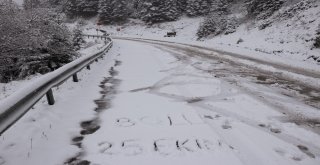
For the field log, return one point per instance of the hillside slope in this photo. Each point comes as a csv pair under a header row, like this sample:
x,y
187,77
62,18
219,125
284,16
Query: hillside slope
x,y
289,33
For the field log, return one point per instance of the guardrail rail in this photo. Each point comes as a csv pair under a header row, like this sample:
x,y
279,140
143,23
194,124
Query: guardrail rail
x,y
14,107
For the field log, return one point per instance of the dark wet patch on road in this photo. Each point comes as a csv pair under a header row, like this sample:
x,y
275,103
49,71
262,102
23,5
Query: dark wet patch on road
x,y
140,89
194,100
90,127
76,160
261,78
108,86
262,125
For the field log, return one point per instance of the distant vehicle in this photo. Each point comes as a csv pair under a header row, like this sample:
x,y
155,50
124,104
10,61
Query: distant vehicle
x,y
171,34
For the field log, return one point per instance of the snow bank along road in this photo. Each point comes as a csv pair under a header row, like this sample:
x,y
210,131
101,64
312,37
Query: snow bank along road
x,y
161,104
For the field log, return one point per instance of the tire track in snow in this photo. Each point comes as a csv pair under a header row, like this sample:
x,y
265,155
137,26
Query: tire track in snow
x,y
200,104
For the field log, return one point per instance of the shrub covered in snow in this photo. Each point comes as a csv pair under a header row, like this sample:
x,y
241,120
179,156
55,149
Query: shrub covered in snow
x,y
31,40
77,38
289,12
232,25
213,25
217,23
296,9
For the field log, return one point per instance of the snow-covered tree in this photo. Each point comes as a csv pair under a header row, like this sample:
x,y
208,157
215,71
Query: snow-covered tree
x,y
77,37
29,4
213,25
219,6
28,41
262,9
197,7
81,8
12,41
113,11
317,40
71,8
181,4
135,8
218,21
105,11
88,8
155,11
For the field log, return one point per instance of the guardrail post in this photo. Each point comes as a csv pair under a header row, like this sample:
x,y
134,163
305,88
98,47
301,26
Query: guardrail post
x,y
50,97
96,60
88,67
75,78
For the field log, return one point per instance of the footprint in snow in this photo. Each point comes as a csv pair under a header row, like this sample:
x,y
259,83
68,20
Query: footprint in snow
x,y
283,153
226,125
275,130
272,129
305,150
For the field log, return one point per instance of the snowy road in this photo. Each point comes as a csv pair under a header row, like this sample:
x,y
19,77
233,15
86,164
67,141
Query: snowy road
x,y
167,105
169,110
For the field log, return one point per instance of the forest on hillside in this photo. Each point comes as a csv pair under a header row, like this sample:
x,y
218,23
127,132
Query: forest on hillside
x,y
219,16
34,38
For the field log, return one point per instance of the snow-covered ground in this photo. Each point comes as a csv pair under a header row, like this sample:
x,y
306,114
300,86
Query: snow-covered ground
x,y
287,40
43,135
168,112
6,89
156,105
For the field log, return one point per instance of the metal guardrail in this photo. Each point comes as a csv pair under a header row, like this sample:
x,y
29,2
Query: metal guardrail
x,y
105,37
12,112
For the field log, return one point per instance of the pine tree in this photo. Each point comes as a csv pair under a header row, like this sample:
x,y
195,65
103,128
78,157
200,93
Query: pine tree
x,y
213,24
30,4
71,8
197,7
77,38
81,8
155,11
262,9
105,12
120,11
317,40
181,4
112,11
137,6
219,6
88,8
